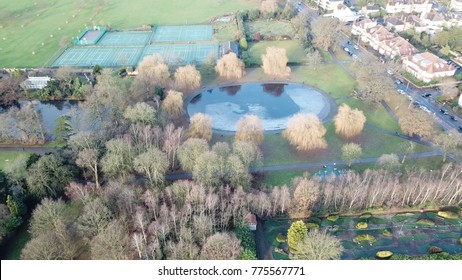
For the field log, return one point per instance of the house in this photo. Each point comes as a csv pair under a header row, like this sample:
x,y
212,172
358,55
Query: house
x,y
251,220
427,66
230,46
371,10
36,82
414,22
408,6
394,23
343,13
456,5
398,47
434,21
328,5
359,28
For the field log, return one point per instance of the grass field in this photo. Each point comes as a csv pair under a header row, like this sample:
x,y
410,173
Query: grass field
x,y
39,26
6,157
294,49
271,28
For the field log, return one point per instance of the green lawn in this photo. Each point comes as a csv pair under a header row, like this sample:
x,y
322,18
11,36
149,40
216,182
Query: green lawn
x,y
28,26
294,49
270,28
6,157
330,77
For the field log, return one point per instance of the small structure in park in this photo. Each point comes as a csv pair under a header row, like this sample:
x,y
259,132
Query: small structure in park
x,y
36,82
230,46
251,220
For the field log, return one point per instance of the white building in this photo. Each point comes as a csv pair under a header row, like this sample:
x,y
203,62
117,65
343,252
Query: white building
x,y
456,5
328,5
343,13
36,82
408,6
427,66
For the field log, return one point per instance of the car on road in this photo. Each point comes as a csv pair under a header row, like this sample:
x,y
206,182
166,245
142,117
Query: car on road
x,y
398,82
460,128
346,49
449,62
410,98
356,47
424,109
415,103
444,111
453,118
426,95
389,72
400,91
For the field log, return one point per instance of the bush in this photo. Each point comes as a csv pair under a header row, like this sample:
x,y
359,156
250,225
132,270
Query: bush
x,y
243,43
384,254
314,220
366,215
387,233
310,226
364,238
361,225
333,218
448,215
425,222
435,250
281,238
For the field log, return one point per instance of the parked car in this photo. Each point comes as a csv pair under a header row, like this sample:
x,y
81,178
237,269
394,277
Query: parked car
x,y
424,109
426,95
460,128
356,47
400,91
398,82
346,49
453,118
389,72
449,62
354,56
444,111
410,98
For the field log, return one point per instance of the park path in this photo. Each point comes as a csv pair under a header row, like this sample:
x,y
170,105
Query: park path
x,y
31,149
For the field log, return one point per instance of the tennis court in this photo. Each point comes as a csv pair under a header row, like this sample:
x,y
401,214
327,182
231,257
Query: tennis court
x,y
125,39
178,54
107,57
184,33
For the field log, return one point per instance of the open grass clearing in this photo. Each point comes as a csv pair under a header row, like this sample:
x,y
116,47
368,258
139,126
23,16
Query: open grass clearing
x,y
6,157
270,29
26,25
294,50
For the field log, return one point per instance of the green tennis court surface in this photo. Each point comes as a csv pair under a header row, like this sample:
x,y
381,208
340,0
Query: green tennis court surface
x,y
104,56
184,33
125,39
183,53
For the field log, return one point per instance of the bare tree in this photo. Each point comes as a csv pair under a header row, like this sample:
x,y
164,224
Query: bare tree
x,y
118,160
449,91
274,62
172,141
248,153
348,122
88,158
152,73
306,193
111,243
221,246
140,113
314,60
305,132
190,151
187,78
94,218
449,141
389,162
326,32
173,103
250,129
200,126
230,67
153,164
351,152
374,83
207,169
317,245
416,122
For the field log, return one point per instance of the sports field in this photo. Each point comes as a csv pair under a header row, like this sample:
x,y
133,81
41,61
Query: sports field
x,y
183,53
125,39
103,56
182,33
38,27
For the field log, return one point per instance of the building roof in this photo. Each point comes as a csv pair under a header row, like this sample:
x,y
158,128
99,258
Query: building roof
x,y
36,82
434,16
362,23
430,63
394,21
230,46
251,219
401,46
373,8
381,33
414,21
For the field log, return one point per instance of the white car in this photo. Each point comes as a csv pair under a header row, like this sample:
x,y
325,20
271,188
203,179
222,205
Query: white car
x,y
346,49
400,91
424,109
389,72
410,98
354,56
356,47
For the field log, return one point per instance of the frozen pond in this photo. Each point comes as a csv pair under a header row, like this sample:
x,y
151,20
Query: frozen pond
x,y
274,104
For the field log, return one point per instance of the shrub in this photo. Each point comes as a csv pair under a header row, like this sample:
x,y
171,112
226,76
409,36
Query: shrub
x,y
387,233
361,225
384,254
310,226
364,238
425,222
435,250
448,215
281,238
314,220
333,218
460,240
366,215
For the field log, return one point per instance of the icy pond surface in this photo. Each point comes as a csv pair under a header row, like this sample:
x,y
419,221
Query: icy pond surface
x,y
273,103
